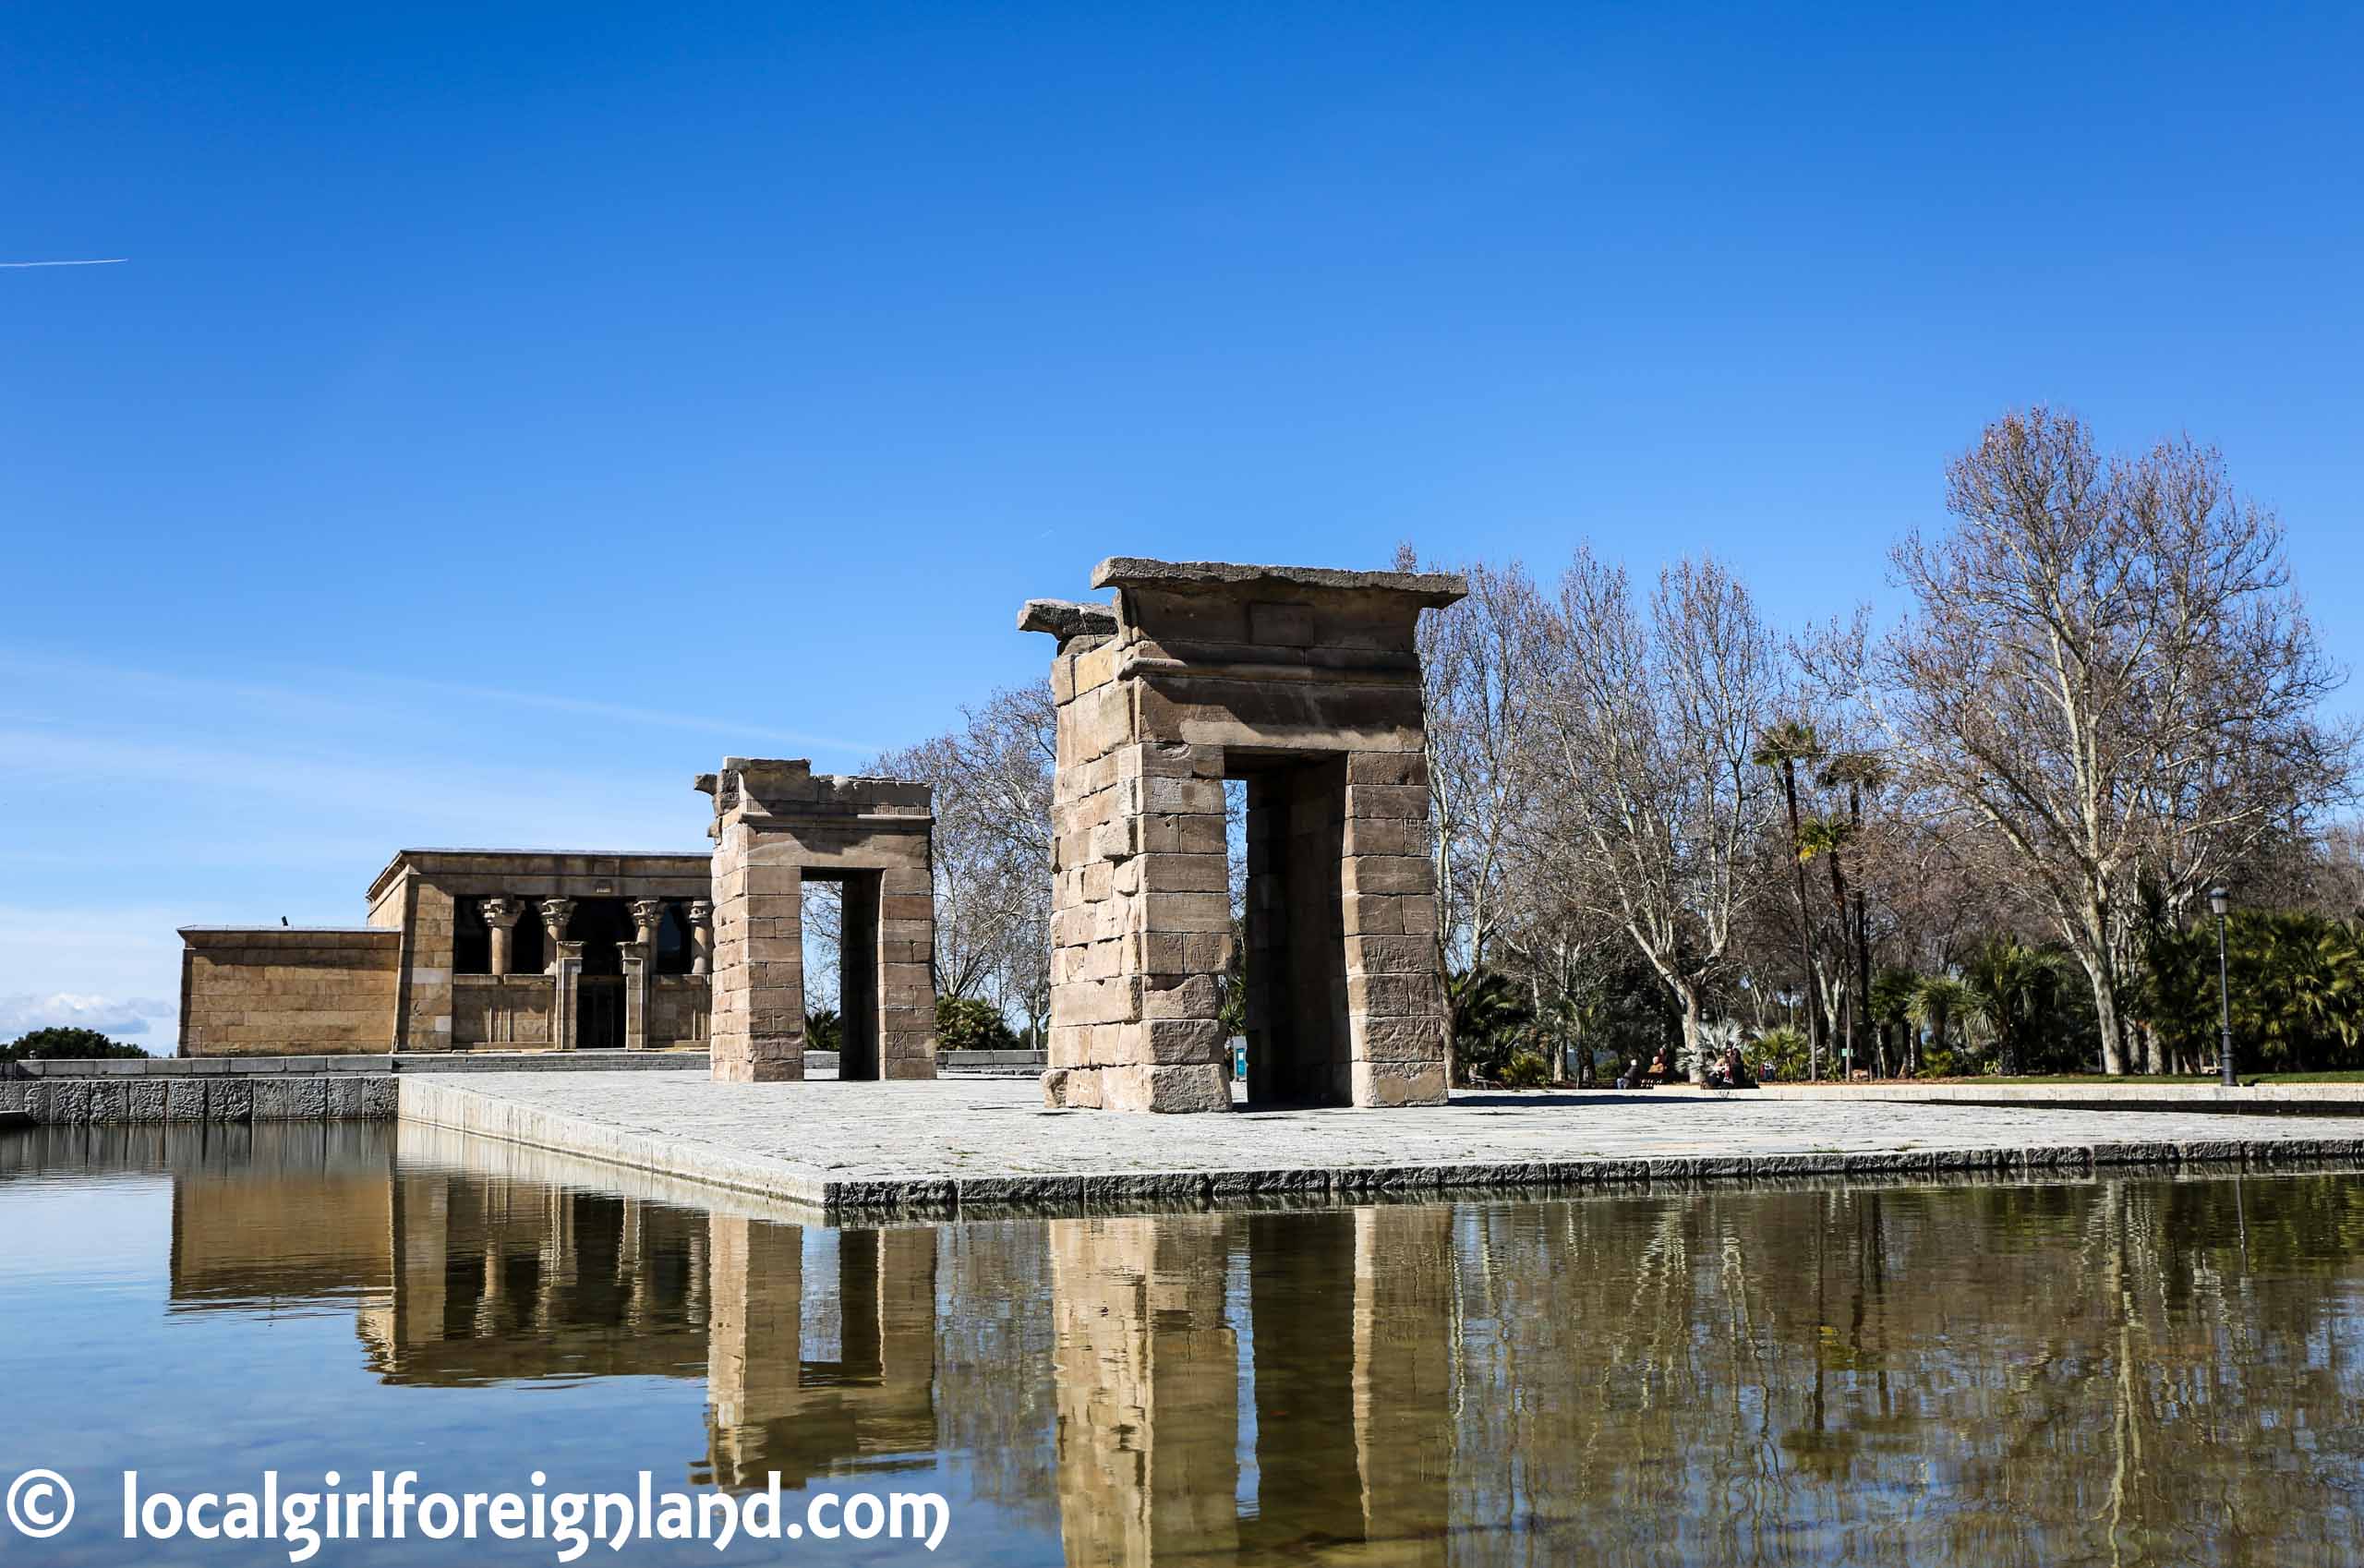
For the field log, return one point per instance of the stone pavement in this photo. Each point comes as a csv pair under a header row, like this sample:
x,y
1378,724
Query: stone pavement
x,y
959,1142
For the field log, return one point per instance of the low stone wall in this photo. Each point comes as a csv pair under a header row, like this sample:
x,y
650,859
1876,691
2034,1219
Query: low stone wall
x,y
199,1097
268,1088
503,1009
997,1064
679,1006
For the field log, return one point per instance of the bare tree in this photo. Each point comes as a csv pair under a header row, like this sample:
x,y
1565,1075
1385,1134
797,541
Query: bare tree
x,y
1476,666
992,849
2104,666
1649,717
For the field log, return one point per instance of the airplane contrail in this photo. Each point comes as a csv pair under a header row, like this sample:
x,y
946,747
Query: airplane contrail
x,y
98,262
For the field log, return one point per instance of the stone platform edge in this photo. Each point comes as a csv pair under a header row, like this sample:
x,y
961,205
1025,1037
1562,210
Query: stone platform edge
x,y
260,1097
454,1108
2101,1093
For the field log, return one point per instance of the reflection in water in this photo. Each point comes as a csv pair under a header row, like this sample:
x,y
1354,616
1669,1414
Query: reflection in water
x,y
2122,1370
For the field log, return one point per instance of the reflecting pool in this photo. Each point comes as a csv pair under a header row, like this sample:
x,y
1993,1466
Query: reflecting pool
x,y
2122,1370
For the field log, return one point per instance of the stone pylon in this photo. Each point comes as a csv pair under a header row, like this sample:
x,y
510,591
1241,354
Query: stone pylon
x,y
778,825
1305,684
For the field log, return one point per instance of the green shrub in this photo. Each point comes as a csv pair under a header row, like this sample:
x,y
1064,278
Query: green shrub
x,y
1779,1052
1526,1070
59,1044
971,1023
1491,1021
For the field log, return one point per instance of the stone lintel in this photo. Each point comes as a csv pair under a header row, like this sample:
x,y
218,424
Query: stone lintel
x,y
1432,590
788,788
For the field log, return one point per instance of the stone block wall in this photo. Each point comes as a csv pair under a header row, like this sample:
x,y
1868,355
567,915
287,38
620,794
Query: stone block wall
x,y
428,920
1141,921
677,1008
777,824
287,991
506,1011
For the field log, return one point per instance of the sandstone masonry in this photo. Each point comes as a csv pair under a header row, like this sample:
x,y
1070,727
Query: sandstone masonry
x,y
1305,682
465,950
777,824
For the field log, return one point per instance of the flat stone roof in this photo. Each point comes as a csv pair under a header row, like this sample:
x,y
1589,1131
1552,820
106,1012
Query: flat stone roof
x,y
296,930
1435,589
565,854
956,1142
435,859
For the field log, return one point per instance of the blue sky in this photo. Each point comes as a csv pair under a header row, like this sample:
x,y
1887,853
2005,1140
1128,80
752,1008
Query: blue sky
x,y
506,412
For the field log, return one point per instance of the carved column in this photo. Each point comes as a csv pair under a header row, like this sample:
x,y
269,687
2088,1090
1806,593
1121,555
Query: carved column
x,y
640,979
556,913
701,936
568,968
501,916
637,962
647,915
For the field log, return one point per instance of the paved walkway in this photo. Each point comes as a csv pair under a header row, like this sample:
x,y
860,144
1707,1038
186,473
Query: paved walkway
x,y
960,1142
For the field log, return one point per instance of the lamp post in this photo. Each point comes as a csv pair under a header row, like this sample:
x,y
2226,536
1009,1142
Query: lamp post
x,y
2218,900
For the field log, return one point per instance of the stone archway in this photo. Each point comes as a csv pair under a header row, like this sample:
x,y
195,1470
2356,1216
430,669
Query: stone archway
x,y
777,823
1306,683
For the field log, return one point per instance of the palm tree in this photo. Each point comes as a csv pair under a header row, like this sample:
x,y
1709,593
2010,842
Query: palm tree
x,y
2014,986
1891,993
1826,836
2326,984
1937,1002
1861,774
1784,745
1491,1020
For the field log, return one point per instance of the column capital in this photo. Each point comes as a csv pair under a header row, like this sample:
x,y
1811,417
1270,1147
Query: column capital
x,y
646,915
701,912
556,913
502,912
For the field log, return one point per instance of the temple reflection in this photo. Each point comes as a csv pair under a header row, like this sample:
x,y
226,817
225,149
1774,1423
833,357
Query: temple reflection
x,y
778,1399
817,1345
498,1280
277,1216
1341,1443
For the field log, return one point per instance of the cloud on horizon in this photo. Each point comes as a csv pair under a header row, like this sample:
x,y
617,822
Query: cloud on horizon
x,y
24,1012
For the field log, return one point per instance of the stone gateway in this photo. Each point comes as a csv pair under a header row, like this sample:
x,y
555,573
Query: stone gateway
x,y
776,824
1305,684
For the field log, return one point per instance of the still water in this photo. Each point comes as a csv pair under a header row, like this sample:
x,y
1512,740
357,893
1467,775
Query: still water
x,y
2137,1370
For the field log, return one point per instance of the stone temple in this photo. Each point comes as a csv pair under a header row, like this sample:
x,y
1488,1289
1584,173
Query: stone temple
x,y
1305,684
467,949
